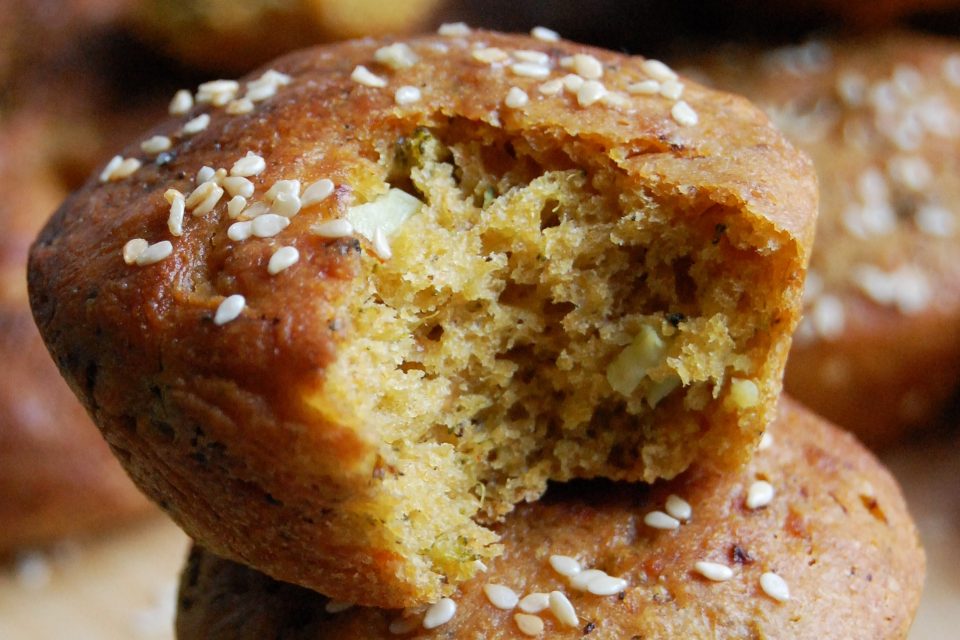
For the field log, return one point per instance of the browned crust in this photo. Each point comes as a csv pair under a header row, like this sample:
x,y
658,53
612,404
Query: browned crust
x,y
208,419
838,531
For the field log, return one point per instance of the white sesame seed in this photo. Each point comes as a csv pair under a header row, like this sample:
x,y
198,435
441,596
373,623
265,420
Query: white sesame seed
x,y
906,288
671,89
205,174
532,56
317,192
454,29
407,95
364,76
678,507
283,258
337,606
236,206
766,441
572,82
404,624
828,317
565,565
133,248
269,225
439,613
566,62
266,85
239,106
340,228
181,103
775,586
479,566
582,580
32,570
254,210
119,168
852,88
285,196
660,520
500,596
516,98
249,165
936,221
645,87
529,625
380,244
490,55
530,70
907,80
544,34
112,166
154,253
240,231
658,70
587,66
534,602
615,99
912,172
713,570
175,219
217,92
238,186
156,144
760,494
590,92
606,586
562,609
684,114
551,87
229,309
204,198
951,69
396,56
197,124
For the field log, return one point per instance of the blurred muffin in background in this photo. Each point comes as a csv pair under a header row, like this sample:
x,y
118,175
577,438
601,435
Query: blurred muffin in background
x,y
879,349
237,35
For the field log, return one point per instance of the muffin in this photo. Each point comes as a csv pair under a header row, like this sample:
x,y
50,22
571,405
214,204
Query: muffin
x,y
811,540
415,281
878,350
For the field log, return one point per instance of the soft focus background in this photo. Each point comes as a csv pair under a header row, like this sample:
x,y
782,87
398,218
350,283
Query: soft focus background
x,y
80,556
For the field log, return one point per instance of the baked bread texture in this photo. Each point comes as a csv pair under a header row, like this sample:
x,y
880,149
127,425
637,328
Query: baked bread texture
x,y
416,281
878,351
836,531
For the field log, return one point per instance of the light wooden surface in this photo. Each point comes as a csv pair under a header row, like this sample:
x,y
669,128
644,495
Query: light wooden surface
x,y
121,587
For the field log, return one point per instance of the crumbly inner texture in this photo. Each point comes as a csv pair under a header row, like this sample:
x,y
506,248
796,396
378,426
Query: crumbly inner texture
x,y
538,321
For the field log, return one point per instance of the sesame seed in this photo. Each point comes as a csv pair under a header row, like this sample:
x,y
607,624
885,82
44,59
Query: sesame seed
x,y
566,62
175,219
396,56
196,125
516,98
439,613
490,55
934,220
479,566
775,586
644,87
590,92
660,520
181,103
239,106
236,206
333,229
760,494
530,70
744,393
678,508
380,244
615,99
269,225
404,624
587,66
204,198
565,565
454,29
684,114
205,174
606,585
336,606
119,168
229,309
249,165
283,258
266,85
217,92
906,288
238,186
113,165
671,89
544,34
713,570
317,192
500,596
33,570
766,441
951,69
240,231
364,76
285,196
572,82
852,88
254,210
828,316
912,172
532,56
551,87
154,253
407,95
528,625
534,602
582,580
133,248
156,144
658,70
563,610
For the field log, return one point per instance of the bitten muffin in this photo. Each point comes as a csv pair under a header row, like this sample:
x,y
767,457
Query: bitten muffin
x,y
811,540
878,351
336,318
57,477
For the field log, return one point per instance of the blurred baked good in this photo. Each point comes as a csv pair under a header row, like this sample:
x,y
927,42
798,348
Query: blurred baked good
x,y
416,281
879,349
836,533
